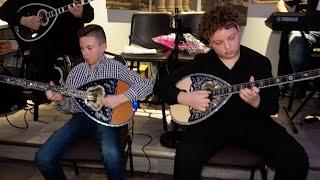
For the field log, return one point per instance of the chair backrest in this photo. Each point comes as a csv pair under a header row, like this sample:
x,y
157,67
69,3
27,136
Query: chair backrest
x,y
116,57
190,23
147,25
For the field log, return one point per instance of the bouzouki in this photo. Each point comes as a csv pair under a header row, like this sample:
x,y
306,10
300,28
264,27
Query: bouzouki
x,y
48,17
221,91
89,98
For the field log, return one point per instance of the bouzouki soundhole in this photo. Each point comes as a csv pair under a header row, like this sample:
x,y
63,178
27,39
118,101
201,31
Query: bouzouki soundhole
x,y
98,93
210,83
42,14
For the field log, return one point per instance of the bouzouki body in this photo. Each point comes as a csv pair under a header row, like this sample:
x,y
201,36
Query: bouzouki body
x,y
35,9
88,98
117,116
221,91
186,115
48,17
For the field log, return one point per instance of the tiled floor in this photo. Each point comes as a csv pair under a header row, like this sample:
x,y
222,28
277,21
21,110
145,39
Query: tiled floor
x,y
147,130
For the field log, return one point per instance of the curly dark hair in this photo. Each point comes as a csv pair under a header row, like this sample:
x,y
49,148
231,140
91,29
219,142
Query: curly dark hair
x,y
220,16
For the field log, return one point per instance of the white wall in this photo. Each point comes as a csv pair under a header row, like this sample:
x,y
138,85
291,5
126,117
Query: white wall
x,y
255,34
117,33
258,36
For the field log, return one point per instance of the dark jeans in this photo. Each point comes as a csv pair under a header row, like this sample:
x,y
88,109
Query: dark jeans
x,y
281,151
47,157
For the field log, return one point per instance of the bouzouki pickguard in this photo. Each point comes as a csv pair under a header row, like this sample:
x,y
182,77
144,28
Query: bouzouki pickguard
x,y
186,115
97,111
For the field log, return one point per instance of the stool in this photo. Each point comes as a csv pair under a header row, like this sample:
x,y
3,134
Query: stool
x,y
237,157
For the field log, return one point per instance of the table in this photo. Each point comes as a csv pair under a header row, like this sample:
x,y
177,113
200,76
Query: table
x,y
160,58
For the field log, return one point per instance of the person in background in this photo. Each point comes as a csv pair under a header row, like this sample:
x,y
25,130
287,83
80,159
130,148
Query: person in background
x,y
96,66
61,40
297,44
244,120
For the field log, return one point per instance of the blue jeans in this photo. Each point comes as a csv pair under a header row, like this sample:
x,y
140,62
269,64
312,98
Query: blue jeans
x,y
79,126
299,50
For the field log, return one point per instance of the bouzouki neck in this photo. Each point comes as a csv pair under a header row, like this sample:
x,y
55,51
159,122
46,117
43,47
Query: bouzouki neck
x,y
66,8
44,87
274,81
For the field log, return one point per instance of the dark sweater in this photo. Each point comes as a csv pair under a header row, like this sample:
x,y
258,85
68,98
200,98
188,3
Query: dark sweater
x,y
249,64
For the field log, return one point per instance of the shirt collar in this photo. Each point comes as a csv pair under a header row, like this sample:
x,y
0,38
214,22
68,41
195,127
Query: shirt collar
x,y
98,65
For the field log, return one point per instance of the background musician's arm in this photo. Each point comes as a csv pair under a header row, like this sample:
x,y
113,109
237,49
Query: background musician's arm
x,y
281,6
87,14
8,12
290,6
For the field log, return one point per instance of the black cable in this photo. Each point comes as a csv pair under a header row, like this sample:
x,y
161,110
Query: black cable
x,y
146,155
24,117
142,134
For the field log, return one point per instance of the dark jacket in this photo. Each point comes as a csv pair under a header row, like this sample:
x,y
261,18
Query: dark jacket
x,y
62,36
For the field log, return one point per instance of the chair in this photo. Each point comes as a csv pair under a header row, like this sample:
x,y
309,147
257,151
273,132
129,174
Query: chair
x,y
147,25
190,23
186,22
116,57
86,150
237,157
144,27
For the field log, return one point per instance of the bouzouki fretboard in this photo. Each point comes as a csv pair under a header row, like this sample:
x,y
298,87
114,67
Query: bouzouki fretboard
x,y
264,83
44,87
65,8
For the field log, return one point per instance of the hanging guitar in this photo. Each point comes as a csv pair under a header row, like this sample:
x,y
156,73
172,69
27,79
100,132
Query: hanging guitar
x,y
48,17
222,91
89,98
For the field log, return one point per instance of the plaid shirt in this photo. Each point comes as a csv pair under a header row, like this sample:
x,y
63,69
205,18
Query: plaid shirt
x,y
105,68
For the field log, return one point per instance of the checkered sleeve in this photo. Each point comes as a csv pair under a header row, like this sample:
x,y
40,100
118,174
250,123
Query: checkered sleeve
x,y
139,87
